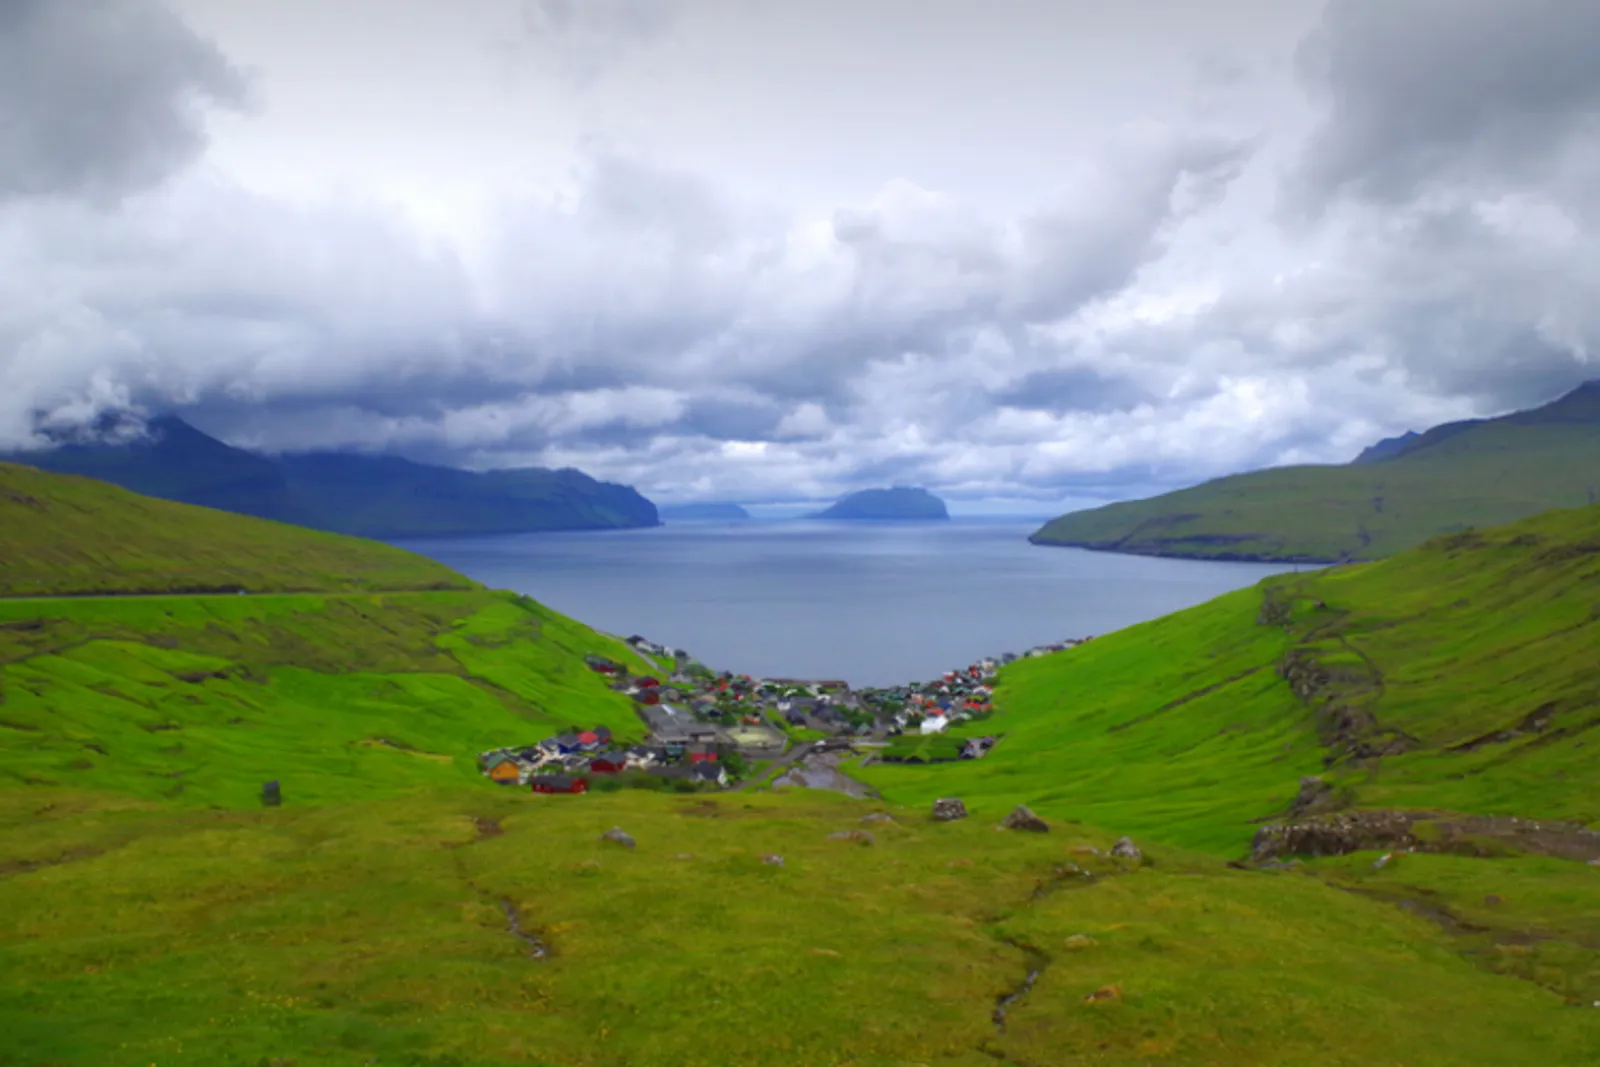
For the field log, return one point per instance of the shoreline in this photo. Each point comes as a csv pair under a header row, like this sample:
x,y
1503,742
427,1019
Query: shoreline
x,y
1219,557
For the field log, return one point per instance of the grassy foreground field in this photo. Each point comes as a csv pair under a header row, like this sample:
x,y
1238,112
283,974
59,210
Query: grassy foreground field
x,y
376,932
151,912
1454,477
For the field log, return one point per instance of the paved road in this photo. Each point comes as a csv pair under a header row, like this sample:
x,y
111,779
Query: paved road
x,y
779,765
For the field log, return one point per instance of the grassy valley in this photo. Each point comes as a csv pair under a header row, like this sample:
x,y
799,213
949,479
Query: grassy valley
x,y
400,909
1454,477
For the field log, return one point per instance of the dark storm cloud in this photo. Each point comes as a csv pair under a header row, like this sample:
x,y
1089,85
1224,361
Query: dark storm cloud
x,y
100,97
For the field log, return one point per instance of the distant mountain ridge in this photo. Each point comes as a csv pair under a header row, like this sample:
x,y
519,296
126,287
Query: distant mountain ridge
x,y
883,504
1395,494
350,493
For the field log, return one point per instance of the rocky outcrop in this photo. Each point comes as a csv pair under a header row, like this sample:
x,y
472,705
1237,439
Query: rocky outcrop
x,y
1023,818
1338,698
1423,831
1126,849
948,809
1315,797
1335,835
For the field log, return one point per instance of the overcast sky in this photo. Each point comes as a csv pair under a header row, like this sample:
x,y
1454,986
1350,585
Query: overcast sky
x,y
1031,254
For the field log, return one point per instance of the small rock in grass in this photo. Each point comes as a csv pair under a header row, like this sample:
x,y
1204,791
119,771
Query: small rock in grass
x,y
1022,818
1084,850
1104,994
684,856
1126,849
1079,942
948,809
878,816
590,865
1494,900
772,859
620,836
863,837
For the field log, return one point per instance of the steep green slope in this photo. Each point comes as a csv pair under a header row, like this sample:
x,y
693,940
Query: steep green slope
x,y
367,496
66,535
201,699
1461,676
1453,477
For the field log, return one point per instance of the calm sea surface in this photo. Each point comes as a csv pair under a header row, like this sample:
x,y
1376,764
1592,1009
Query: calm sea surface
x,y
871,603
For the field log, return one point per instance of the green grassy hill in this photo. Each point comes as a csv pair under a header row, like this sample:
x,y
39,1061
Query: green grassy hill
x,y
1478,473
1461,675
67,535
388,912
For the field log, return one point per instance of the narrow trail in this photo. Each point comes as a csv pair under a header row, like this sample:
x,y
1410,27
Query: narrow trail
x,y
538,949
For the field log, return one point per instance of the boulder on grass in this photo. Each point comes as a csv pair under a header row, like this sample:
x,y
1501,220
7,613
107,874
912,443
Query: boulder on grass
x,y
1022,818
1126,849
948,809
620,836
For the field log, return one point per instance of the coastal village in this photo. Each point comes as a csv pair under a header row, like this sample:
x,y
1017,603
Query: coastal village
x,y
710,730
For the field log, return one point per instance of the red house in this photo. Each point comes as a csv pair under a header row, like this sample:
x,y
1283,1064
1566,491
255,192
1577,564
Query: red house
x,y
650,698
588,737
702,754
649,683
609,763
560,783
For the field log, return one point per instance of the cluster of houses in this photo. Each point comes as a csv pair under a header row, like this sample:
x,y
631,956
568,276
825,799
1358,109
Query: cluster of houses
x,y
564,763
693,714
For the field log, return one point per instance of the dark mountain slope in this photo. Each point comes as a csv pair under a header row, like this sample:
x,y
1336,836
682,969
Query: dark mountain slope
x,y
369,496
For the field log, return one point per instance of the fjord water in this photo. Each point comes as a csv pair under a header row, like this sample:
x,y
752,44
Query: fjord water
x,y
869,603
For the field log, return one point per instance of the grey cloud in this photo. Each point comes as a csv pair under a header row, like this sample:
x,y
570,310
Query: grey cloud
x,y
1419,91
1072,389
649,326
582,39
102,97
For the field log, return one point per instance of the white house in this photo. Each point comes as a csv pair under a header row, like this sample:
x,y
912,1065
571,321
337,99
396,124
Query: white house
x,y
934,724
